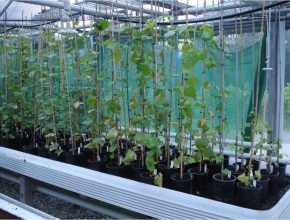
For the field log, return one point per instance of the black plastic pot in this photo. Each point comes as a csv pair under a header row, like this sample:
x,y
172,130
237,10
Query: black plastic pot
x,y
137,170
128,172
223,189
249,197
235,172
73,159
54,156
273,183
167,172
43,152
97,165
113,168
16,143
88,154
281,168
147,178
191,165
4,142
264,182
184,184
255,164
200,180
213,168
29,149
226,161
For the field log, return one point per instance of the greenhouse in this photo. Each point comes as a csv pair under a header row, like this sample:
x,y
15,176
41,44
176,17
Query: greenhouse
x,y
144,109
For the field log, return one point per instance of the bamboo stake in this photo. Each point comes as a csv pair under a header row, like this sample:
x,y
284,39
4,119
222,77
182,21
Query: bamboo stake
x,y
222,98
243,92
237,92
254,119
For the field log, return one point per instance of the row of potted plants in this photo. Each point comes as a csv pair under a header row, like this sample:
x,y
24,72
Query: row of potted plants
x,y
106,100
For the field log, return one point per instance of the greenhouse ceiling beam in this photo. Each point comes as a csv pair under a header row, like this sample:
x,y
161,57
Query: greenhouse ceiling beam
x,y
226,17
168,4
77,8
196,11
125,6
5,7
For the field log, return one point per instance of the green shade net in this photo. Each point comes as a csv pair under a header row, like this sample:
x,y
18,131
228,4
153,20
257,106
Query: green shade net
x,y
126,84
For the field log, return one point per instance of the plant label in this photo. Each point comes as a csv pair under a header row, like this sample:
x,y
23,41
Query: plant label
x,y
237,167
171,164
98,158
122,145
170,152
135,157
160,157
251,174
229,174
36,145
255,183
81,145
244,161
79,150
84,137
120,160
205,168
271,168
107,148
155,172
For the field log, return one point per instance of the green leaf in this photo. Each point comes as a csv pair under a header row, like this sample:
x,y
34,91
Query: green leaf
x,y
244,179
117,54
181,29
207,32
190,87
77,104
226,172
201,144
258,174
197,156
177,162
158,180
88,122
145,69
129,158
150,162
170,33
189,160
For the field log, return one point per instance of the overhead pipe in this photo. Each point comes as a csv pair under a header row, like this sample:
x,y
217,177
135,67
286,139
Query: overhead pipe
x,y
230,16
125,6
194,10
77,8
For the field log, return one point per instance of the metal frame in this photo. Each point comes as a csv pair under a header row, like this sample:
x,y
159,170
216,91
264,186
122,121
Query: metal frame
x,y
134,196
21,210
277,79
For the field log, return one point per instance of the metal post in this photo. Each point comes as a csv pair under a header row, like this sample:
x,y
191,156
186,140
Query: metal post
x,y
5,7
281,78
276,80
26,190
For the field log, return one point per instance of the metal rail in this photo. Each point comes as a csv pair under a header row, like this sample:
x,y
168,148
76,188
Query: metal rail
x,y
21,210
127,194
